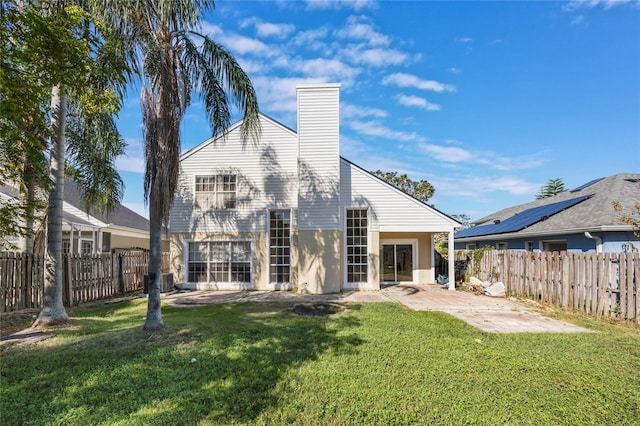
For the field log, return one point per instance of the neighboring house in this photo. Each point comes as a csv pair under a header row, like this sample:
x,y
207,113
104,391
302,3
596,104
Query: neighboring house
x,y
582,219
96,232
288,213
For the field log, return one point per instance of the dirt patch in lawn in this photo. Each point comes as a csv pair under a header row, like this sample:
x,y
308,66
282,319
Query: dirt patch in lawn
x,y
317,309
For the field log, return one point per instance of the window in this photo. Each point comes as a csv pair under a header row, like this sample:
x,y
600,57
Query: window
x,y
216,192
86,246
220,261
471,246
554,245
280,246
357,257
501,246
529,245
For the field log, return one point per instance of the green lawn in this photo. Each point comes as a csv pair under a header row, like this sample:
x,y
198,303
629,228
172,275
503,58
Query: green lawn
x,y
376,363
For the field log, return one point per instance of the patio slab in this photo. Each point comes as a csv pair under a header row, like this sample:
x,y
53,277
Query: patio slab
x,y
493,315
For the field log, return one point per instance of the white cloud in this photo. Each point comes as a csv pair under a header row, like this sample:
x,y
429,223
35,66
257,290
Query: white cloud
x,y
591,4
416,101
448,154
374,128
210,30
577,20
242,45
376,57
477,186
351,111
456,155
311,39
268,29
327,70
454,70
464,39
133,160
408,80
356,5
358,28
274,30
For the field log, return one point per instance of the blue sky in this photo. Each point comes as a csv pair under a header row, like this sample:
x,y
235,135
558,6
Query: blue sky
x,y
485,100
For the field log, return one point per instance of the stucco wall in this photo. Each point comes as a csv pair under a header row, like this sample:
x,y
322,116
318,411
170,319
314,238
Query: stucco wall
x,y
320,262
119,241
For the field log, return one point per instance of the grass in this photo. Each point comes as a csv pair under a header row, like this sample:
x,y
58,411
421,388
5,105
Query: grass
x,y
375,363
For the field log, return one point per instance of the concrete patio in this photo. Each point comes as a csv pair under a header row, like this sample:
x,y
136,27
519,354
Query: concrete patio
x,y
493,315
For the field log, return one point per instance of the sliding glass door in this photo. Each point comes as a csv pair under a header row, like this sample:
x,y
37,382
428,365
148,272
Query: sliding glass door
x,y
397,263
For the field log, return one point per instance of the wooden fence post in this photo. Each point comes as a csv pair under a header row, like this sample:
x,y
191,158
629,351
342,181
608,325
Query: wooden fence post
x,y
120,263
566,286
68,284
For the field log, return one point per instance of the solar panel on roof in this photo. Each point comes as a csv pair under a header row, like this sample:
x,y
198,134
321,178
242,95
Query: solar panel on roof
x,y
521,220
591,182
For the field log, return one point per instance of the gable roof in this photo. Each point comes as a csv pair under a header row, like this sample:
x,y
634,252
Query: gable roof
x,y
588,207
399,191
121,216
230,129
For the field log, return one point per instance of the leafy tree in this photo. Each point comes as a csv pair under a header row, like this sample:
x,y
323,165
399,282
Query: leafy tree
x,y
463,218
422,190
177,60
553,187
74,70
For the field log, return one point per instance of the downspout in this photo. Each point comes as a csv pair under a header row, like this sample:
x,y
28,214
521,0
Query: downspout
x,y
598,241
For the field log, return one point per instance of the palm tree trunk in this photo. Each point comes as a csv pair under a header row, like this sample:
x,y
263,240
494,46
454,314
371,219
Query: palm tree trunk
x,y
53,311
154,313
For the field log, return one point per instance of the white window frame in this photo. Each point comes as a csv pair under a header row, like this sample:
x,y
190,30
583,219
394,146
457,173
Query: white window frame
x,y
85,240
288,285
359,284
219,285
503,245
216,196
471,246
529,246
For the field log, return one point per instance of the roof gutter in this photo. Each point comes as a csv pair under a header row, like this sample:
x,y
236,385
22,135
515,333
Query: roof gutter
x,y
598,241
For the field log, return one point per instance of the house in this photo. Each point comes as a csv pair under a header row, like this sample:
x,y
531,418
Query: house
x,y
289,213
97,232
581,219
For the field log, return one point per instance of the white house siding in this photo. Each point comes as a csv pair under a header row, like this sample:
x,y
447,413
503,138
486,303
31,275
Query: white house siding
x,y
390,210
266,179
319,156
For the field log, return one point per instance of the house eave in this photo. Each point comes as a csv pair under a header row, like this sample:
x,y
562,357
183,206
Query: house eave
x,y
538,234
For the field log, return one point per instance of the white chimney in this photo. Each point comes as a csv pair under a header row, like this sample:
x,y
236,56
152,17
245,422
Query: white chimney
x,y
319,156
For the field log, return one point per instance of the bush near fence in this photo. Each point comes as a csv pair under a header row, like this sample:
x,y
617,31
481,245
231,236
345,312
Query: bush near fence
x,y
599,284
86,277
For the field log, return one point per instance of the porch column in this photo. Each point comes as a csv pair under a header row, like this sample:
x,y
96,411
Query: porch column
x,y
452,263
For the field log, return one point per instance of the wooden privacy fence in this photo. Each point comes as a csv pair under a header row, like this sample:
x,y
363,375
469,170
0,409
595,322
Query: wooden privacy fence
x,y
21,281
86,277
599,284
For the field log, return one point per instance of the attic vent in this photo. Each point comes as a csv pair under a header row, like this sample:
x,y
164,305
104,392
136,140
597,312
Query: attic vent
x,y
632,180
497,221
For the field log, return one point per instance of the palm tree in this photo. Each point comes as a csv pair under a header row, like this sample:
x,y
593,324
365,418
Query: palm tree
x,y
176,61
